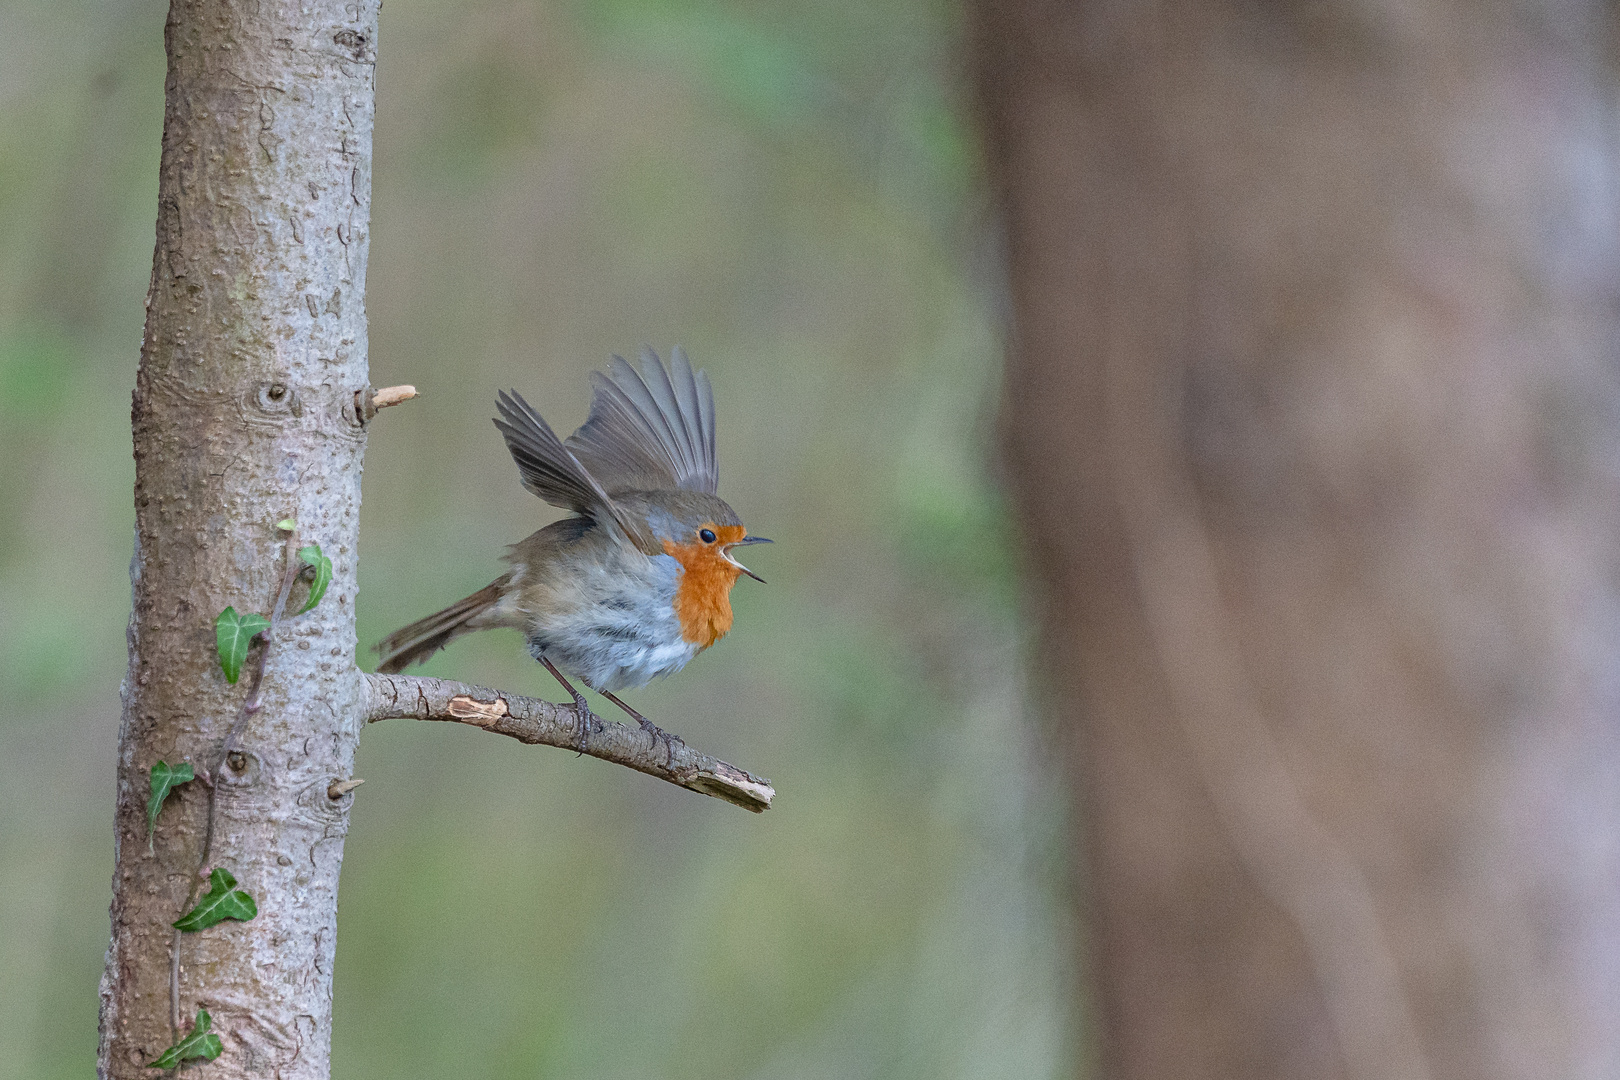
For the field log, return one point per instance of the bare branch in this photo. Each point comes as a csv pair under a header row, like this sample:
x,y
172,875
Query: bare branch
x,y
530,720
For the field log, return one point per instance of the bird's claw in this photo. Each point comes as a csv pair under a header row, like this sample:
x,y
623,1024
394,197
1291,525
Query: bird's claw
x,y
658,735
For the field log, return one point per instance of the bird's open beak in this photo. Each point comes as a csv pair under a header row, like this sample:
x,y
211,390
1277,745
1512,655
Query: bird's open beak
x,y
726,554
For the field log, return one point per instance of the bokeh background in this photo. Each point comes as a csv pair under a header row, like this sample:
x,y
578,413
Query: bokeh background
x,y
794,193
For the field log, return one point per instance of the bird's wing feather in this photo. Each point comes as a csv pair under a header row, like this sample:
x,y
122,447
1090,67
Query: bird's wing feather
x,y
550,471
652,430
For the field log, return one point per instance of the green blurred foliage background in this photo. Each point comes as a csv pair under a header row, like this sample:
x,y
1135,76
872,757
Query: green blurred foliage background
x,y
790,191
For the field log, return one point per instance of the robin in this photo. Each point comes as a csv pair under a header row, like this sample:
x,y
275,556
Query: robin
x,y
638,582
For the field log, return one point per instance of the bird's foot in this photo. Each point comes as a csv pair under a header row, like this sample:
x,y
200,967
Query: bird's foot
x,y
582,709
587,721
656,733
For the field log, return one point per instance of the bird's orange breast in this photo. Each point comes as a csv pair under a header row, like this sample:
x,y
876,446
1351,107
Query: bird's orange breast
x,y
703,595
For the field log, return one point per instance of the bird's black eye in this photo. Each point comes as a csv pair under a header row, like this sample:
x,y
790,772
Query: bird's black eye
x,y
706,535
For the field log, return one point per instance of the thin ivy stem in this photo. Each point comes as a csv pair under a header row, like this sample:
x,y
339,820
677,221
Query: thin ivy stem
x,y
294,566
250,705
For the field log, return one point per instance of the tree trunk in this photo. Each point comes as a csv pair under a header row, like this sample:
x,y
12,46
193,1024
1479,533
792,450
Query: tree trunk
x,y
245,414
1310,414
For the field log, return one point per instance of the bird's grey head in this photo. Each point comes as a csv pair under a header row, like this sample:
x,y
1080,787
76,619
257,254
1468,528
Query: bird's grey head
x,y
691,521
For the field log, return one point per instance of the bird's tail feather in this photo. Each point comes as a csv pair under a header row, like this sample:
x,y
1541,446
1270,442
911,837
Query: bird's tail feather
x,y
420,640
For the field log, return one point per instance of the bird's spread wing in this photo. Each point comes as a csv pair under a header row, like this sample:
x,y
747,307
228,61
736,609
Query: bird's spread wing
x,y
650,431
556,475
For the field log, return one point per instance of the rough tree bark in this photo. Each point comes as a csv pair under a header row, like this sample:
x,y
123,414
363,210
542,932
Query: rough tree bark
x,y
1310,410
250,407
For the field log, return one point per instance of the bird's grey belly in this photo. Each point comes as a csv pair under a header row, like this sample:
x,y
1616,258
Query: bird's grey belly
x,y
615,634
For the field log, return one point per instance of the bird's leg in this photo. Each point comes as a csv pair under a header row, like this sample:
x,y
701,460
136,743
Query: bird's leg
x,y
580,705
650,728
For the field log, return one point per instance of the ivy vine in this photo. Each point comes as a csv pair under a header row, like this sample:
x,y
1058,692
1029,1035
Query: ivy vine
x,y
234,636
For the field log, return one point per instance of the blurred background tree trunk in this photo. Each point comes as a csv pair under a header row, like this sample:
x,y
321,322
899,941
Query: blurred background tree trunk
x,y
1311,413
245,413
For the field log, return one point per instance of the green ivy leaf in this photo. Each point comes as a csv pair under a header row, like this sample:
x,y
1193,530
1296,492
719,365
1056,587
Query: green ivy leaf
x,y
223,901
323,574
286,524
165,778
234,633
201,1043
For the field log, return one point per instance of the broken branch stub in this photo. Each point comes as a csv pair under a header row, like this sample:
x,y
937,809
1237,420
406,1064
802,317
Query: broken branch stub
x,y
392,395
